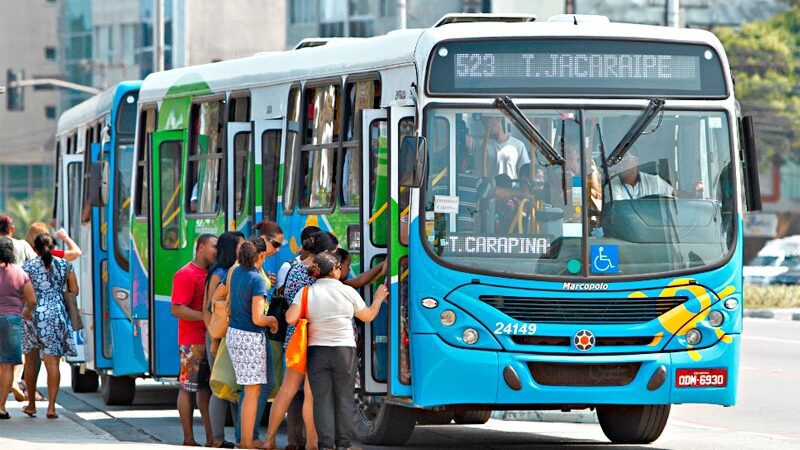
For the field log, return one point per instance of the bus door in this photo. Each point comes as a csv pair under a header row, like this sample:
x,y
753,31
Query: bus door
x,y
168,237
374,219
240,178
401,124
268,143
71,198
98,338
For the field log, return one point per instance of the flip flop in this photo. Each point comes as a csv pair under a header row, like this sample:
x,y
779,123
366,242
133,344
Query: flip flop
x,y
5,415
28,413
52,415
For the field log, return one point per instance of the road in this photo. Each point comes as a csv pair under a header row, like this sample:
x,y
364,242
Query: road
x,y
766,416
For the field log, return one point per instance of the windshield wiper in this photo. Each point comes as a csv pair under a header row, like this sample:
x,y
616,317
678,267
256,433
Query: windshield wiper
x,y
530,132
653,108
604,164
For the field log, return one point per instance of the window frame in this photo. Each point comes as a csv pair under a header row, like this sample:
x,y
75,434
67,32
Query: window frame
x,y
191,157
336,145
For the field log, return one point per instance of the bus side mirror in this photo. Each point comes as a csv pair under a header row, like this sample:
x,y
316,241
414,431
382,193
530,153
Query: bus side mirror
x,y
98,184
750,160
412,157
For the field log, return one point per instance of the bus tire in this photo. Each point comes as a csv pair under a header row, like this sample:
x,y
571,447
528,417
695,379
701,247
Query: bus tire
x,y
633,424
84,382
434,417
378,423
117,390
472,417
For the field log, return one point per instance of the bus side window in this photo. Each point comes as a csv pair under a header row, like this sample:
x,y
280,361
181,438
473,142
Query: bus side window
x,y
360,95
292,149
270,161
170,208
147,125
205,158
321,142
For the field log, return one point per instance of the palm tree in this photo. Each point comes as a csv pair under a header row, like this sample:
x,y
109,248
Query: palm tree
x,y
37,208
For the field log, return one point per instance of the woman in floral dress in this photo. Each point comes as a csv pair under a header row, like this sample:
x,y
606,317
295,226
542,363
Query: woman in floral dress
x,y
49,332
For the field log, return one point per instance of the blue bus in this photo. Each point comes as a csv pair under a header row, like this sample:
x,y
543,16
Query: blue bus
x,y
559,204
94,163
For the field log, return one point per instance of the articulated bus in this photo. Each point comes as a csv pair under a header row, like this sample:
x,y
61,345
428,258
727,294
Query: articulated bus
x,y
560,205
94,157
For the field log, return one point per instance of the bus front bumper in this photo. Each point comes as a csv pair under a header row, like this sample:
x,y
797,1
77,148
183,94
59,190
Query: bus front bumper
x,y
446,375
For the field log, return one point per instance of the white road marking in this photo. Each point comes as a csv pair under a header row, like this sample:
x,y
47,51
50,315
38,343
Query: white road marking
x,y
699,426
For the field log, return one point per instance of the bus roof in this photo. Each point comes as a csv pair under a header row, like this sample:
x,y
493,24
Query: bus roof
x,y
401,47
92,108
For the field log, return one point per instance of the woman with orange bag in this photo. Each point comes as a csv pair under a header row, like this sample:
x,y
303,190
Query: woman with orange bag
x,y
329,306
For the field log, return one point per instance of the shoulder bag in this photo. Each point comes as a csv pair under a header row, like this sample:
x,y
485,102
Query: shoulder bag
x,y
221,311
71,304
297,349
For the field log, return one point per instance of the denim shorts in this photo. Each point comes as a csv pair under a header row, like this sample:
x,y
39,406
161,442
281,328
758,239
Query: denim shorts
x,y
10,339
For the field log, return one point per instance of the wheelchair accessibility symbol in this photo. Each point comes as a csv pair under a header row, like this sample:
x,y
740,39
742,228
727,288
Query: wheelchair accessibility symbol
x,y
605,258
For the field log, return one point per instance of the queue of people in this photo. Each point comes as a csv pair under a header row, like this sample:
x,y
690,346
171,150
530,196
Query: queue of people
x,y
34,325
262,308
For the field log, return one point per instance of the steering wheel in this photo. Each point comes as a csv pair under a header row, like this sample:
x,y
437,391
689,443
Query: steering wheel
x,y
658,197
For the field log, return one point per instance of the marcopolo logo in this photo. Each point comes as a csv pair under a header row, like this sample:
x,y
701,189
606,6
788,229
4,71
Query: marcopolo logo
x,y
585,286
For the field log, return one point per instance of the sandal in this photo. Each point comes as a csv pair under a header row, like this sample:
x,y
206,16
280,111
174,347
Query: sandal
x,y
5,415
28,413
52,415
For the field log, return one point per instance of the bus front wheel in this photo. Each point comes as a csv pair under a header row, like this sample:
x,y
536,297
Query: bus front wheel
x,y
633,424
378,423
117,390
84,382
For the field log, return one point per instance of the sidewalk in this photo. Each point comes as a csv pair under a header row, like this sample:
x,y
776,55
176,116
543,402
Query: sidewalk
x,y
777,313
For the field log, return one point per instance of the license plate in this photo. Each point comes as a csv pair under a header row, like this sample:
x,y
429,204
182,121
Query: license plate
x,y
701,378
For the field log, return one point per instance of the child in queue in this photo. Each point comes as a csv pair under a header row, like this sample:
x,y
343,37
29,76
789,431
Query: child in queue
x,y
331,306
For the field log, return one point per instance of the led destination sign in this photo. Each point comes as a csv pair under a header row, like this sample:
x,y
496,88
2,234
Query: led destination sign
x,y
577,67
471,245
574,69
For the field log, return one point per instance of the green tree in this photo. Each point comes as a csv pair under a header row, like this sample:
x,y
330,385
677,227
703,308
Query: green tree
x,y
765,60
38,208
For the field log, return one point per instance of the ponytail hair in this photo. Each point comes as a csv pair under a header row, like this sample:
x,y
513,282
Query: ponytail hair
x,y
323,265
320,242
43,244
249,251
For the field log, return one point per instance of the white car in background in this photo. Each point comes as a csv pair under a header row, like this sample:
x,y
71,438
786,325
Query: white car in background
x,y
777,257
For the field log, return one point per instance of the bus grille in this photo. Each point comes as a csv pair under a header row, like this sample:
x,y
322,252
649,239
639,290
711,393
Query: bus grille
x,y
582,311
557,374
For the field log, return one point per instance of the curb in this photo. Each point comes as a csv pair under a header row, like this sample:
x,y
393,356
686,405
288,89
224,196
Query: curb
x,y
582,416
94,429
777,314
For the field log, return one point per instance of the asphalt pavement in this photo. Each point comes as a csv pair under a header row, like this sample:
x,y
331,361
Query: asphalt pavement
x,y
766,416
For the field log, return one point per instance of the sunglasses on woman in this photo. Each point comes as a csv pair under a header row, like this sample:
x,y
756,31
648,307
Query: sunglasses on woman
x,y
275,244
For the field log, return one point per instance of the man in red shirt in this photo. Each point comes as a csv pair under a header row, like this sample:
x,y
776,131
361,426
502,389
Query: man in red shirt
x,y
188,290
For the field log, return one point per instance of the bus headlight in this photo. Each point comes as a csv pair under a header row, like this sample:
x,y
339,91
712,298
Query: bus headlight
x,y
715,318
693,336
470,336
448,318
731,303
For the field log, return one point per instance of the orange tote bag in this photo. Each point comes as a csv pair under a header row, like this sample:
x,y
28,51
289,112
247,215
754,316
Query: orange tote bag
x,y
297,348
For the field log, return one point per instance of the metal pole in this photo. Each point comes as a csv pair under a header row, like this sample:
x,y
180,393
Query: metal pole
x,y
158,36
675,13
401,14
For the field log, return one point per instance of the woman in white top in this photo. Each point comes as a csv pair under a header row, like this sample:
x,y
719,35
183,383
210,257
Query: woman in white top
x,y
331,306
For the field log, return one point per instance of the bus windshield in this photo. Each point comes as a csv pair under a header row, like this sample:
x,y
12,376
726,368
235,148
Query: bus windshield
x,y
496,202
